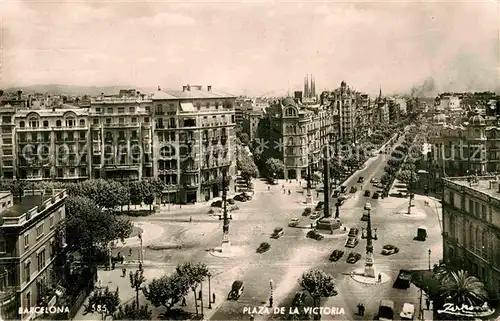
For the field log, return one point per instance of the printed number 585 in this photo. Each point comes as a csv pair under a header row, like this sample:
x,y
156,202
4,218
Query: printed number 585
x,y
99,308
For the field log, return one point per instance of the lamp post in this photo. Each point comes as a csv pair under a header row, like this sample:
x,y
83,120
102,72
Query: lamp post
x,y
271,283
430,259
369,268
226,245
308,195
209,291
140,250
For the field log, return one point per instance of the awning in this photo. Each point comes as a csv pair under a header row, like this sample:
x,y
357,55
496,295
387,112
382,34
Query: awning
x,y
187,107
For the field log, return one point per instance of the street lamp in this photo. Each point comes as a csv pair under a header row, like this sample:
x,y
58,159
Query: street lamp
x,y
271,283
209,291
430,259
140,253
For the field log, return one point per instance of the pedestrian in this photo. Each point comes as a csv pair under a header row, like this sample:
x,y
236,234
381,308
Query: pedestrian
x,y
190,219
289,192
359,308
362,309
252,317
300,183
199,295
124,271
428,303
379,278
213,297
121,259
271,302
317,194
113,265
268,188
100,285
129,252
184,302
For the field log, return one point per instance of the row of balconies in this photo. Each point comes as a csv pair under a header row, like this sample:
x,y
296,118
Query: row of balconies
x,y
45,129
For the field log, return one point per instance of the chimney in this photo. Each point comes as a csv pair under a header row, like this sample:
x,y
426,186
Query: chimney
x,y
159,89
184,88
53,108
102,95
19,94
188,87
209,88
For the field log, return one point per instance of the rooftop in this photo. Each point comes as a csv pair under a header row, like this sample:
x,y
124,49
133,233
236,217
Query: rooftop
x,y
190,92
57,112
27,204
482,184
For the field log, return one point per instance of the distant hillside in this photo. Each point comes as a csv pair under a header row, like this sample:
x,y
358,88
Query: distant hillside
x,y
75,90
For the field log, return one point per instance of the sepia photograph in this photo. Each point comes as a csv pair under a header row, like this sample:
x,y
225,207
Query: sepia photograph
x,y
249,160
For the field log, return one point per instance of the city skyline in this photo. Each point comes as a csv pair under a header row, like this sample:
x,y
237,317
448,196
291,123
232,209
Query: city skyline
x,y
252,48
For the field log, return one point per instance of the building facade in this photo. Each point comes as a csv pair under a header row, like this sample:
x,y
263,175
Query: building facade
x,y
344,100
30,229
297,134
194,142
250,123
471,227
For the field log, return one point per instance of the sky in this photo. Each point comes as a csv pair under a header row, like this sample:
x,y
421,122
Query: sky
x,y
259,47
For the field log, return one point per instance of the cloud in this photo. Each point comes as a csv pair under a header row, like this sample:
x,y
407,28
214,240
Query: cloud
x,y
167,19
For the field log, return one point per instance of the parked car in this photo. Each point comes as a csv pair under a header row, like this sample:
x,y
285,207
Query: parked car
x,y
263,247
374,181
343,189
230,201
247,196
240,198
320,206
368,206
336,255
375,196
277,233
367,193
408,312
236,290
315,215
353,257
294,222
299,299
361,179
336,193
353,189
314,235
389,249
216,204
386,310
307,211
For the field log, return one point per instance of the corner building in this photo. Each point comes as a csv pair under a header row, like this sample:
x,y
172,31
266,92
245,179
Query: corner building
x,y
471,227
193,142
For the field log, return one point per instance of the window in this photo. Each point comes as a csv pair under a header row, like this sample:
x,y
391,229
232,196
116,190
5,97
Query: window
x,y
39,231
26,240
82,122
58,123
21,124
471,207
41,260
146,120
452,198
70,122
110,110
45,123
51,221
132,109
96,121
3,247
98,110
121,121
82,135
134,120
483,212
121,110
28,300
108,121
27,271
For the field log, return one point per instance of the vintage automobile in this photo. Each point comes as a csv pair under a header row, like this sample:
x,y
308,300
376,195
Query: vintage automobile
x,y
386,310
374,181
343,189
353,189
375,195
263,247
367,193
277,233
408,311
421,234
361,179
236,290
319,206
314,235
352,238
307,211
315,215
336,193
368,206
336,255
389,249
294,222
217,204
243,197
353,257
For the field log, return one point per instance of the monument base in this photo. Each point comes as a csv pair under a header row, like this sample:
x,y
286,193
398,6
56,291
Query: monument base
x,y
369,271
328,223
226,247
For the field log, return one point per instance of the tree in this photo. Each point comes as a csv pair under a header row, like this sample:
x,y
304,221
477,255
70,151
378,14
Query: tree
x,y
245,140
276,166
407,177
88,227
167,291
103,302
318,284
130,312
195,273
136,281
460,288
247,167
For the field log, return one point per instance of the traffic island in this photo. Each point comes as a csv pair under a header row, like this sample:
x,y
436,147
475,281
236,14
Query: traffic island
x,y
415,213
358,275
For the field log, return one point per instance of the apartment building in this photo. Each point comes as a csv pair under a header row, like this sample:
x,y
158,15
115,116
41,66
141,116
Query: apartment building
x,y
7,131
296,134
121,131
193,139
29,232
471,227
345,101
250,122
